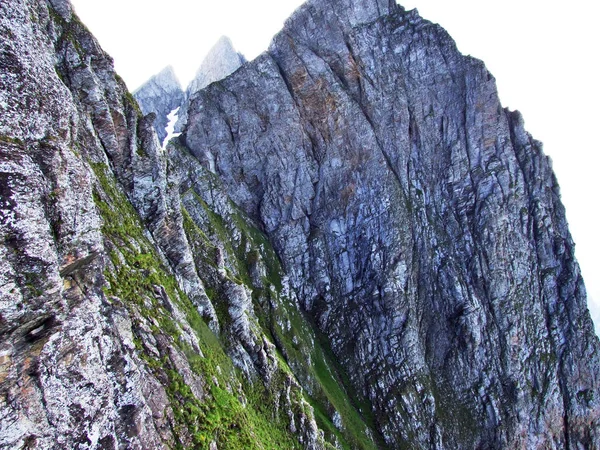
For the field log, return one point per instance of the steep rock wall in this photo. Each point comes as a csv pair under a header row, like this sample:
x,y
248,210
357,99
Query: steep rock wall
x,y
122,324
420,225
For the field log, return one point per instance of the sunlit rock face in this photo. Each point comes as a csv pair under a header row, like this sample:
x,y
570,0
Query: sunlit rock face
x,y
222,60
420,224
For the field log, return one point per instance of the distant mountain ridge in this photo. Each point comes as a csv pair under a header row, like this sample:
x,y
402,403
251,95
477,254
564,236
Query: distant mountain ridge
x,y
162,93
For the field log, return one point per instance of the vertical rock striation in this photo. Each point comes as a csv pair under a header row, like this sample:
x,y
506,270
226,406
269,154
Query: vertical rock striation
x,y
420,225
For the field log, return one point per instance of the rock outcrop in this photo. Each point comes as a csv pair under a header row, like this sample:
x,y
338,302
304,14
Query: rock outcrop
x,y
160,95
352,245
420,225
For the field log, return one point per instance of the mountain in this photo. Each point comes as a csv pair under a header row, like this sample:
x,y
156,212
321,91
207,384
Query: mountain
x,y
160,95
351,245
222,60
420,225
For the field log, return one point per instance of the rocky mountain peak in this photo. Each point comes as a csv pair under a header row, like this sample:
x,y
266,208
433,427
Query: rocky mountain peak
x,y
352,245
339,16
160,95
63,8
167,79
387,212
222,60
165,84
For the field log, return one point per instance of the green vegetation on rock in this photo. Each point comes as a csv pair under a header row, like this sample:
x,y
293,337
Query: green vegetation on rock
x,y
234,414
246,248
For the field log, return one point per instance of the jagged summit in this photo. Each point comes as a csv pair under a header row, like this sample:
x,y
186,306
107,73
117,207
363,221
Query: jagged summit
x,y
221,61
401,210
352,246
160,95
166,78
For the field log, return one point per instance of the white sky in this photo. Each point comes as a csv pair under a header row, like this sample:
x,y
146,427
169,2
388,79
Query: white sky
x,y
545,56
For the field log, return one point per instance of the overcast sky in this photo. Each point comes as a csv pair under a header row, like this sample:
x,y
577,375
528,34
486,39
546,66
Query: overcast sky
x,y
544,55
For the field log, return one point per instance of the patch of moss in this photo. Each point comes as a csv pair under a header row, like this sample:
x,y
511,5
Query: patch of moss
x,y
261,246
133,273
202,247
222,418
11,140
129,100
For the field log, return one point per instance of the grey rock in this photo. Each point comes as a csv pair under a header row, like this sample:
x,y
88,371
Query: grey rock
x,y
69,375
420,225
352,218
221,61
104,318
160,95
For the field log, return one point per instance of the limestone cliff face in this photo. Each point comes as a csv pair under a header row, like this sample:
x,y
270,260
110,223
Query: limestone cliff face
x,y
353,245
160,95
420,225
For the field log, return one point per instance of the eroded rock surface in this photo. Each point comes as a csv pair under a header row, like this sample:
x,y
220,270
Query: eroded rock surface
x,y
420,226
353,245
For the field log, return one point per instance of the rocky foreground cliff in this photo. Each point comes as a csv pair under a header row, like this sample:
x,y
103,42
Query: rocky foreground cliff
x,y
352,245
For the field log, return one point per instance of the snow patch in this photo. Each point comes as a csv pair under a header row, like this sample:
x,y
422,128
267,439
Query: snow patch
x,y
170,129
